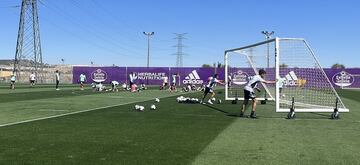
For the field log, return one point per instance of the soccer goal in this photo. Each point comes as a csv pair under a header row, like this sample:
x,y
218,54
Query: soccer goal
x,y
301,82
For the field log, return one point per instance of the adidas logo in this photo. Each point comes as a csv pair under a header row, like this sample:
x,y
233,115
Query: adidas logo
x,y
291,79
193,78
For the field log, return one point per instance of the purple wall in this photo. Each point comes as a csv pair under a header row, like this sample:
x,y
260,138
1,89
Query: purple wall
x,y
338,77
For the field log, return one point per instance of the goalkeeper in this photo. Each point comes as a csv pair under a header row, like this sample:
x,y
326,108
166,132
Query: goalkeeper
x,y
249,91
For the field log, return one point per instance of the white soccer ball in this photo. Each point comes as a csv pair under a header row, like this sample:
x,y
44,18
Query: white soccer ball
x,y
137,107
213,99
142,108
157,100
153,107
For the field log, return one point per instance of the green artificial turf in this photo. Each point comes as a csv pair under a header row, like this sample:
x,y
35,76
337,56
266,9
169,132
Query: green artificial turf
x,y
112,132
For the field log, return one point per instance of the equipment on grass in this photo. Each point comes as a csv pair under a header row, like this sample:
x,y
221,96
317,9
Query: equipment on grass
x,y
187,100
219,101
137,107
236,98
290,59
153,107
335,114
157,100
291,114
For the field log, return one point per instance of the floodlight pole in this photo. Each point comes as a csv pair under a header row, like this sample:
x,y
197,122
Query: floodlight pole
x,y
267,37
148,34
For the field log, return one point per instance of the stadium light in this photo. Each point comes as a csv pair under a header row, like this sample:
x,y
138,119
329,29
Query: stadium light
x,y
267,34
267,37
148,34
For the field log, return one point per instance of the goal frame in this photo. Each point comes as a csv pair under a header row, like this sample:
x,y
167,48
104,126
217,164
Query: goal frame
x,y
277,54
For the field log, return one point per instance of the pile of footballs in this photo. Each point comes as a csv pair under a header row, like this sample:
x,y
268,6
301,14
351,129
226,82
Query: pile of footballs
x,y
142,108
187,100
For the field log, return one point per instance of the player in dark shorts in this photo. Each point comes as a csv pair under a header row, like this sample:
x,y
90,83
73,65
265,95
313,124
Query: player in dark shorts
x,y
249,91
209,88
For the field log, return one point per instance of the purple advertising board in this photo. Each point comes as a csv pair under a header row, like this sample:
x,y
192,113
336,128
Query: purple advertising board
x,y
151,75
99,74
196,75
344,78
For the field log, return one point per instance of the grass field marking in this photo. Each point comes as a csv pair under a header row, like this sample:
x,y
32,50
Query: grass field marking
x,y
82,111
53,110
178,114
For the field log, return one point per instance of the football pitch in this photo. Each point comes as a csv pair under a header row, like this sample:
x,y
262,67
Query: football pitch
x,y
43,126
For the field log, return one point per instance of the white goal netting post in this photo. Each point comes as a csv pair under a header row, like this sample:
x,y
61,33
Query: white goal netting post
x,y
292,63
243,62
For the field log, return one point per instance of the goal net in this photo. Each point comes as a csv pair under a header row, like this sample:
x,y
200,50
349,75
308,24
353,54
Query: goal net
x,y
295,68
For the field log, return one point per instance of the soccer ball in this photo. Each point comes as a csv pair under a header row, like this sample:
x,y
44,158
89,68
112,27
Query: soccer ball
x,y
157,100
213,99
141,108
153,107
219,101
137,107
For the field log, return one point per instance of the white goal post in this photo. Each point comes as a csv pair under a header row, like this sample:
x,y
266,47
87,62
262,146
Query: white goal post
x,y
295,68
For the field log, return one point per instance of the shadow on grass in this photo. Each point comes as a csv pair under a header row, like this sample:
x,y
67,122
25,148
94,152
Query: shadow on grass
x,y
302,116
223,111
315,116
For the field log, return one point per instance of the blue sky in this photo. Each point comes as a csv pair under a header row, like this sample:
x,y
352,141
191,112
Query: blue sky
x,y
110,31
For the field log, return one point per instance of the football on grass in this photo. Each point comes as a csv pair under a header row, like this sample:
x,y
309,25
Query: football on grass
x,y
153,107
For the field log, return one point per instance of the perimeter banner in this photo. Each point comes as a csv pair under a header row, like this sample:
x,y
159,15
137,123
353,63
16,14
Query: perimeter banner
x,y
347,78
151,75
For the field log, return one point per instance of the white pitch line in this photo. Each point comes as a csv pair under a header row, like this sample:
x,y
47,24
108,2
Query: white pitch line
x,y
76,112
53,110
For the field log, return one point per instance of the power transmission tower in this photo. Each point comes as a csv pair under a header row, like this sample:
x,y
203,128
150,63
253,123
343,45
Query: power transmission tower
x,y
28,56
179,54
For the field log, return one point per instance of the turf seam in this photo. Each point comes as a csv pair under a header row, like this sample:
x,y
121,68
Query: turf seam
x,y
192,162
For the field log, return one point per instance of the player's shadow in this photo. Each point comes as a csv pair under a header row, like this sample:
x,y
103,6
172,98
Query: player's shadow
x,y
317,116
222,111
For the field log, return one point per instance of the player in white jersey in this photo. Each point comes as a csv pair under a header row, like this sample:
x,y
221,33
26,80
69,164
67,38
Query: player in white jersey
x,y
229,81
165,82
114,85
12,81
281,83
57,79
82,78
173,82
132,78
209,88
32,79
249,91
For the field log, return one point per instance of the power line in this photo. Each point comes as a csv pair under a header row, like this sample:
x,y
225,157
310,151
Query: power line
x,y
179,54
28,55
95,33
100,19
